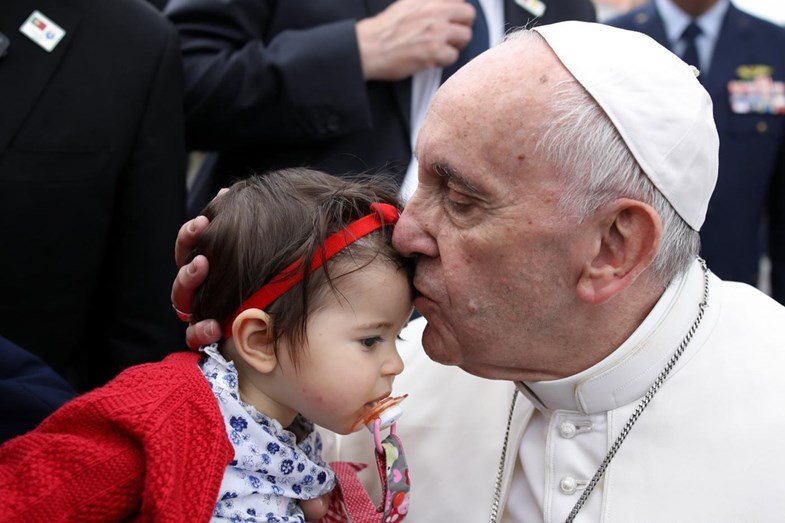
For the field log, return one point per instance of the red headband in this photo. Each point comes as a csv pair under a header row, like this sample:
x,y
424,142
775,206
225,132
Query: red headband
x,y
383,214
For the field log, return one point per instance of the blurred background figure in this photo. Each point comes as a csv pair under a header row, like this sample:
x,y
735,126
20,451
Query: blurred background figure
x,y
607,9
92,184
160,4
742,66
340,86
30,390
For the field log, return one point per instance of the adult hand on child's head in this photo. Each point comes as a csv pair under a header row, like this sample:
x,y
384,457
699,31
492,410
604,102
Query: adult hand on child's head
x,y
189,278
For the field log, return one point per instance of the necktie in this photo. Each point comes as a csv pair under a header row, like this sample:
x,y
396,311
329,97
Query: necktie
x,y
479,42
689,35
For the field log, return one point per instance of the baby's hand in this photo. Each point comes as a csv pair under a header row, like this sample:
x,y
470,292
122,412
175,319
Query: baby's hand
x,y
315,509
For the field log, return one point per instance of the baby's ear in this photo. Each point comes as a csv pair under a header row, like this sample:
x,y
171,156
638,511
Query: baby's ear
x,y
252,334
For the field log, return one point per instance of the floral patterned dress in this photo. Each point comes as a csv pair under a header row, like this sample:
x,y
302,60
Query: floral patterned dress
x,y
271,469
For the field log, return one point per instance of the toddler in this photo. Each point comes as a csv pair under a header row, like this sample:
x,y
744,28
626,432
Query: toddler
x,y
311,296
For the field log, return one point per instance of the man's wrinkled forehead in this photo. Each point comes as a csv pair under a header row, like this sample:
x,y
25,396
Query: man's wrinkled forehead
x,y
504,91
499,71
501,88
486,121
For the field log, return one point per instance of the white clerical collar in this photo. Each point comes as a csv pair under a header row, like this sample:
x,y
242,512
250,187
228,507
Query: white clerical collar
x,y
627,373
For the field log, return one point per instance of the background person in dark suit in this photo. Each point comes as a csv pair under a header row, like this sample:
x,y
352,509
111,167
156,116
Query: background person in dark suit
x,y
742,64
30,390
92,183
325,84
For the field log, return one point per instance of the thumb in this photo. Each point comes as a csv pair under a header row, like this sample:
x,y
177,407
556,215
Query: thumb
x,y
315,509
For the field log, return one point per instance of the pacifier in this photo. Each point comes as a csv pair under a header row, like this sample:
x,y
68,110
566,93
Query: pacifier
x,y
350,500
381,416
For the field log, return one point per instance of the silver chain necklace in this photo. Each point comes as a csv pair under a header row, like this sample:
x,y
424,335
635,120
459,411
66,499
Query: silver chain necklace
x,y
495,506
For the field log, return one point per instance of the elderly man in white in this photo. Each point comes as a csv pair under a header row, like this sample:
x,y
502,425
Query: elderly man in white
x,y
555,226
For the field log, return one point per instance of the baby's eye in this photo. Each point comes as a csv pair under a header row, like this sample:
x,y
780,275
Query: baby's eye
x,y
370,342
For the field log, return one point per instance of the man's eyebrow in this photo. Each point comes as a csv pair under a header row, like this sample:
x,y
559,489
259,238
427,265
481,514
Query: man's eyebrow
x,y
454,176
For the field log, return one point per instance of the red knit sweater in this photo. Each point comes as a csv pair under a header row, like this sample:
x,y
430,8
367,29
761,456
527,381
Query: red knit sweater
x,y
150,445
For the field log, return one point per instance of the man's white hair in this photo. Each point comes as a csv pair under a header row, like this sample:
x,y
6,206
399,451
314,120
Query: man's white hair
x,y
597,167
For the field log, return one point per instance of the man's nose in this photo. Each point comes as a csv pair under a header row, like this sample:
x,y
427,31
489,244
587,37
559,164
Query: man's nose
x,y
410,236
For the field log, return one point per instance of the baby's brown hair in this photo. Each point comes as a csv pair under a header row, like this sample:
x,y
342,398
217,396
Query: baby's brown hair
x,y
265,223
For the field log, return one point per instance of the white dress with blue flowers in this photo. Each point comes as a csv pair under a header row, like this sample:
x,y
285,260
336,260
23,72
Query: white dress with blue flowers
x,y
270,470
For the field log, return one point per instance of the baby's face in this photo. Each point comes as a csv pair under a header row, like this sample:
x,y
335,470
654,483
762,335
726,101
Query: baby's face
x,y
351,358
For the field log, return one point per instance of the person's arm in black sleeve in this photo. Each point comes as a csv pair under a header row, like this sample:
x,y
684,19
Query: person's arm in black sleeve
x,y
302,84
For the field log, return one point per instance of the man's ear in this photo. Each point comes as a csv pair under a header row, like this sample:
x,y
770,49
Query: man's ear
x,y
252,334
629,233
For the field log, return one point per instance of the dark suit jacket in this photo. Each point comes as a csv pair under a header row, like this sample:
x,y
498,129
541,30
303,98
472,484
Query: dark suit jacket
x,y
275,84
747,211
30,390
92,186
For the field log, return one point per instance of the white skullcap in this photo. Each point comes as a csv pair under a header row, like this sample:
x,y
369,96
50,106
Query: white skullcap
x,y
655,102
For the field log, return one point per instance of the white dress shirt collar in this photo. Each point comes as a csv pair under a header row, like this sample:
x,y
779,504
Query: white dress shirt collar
x,y
676,21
